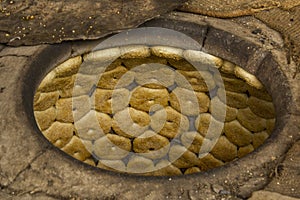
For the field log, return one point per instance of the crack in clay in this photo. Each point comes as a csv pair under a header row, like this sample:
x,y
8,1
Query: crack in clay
x,y
14,55
33,193
2,89
205,37
27,167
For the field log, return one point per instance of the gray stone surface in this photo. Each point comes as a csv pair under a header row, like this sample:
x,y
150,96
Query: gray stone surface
x,y
1,46
286,179
34,22
5,195
27,195
266,195
18,148
19,51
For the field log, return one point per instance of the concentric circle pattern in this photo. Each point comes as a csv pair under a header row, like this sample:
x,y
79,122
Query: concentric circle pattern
x,y
150,111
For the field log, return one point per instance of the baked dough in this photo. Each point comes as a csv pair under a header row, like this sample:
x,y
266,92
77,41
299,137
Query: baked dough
x,y
139,164
89,126
188,102
217,108
151,145
112,147
237,134
59,134
245,150
175,123
262,108
69,67
259,138
167,52
249,78
50,83
76,149
109,79
251,121
111,101
259,93
134,51
233,99
199,81
103,56
165,168
144,98
181,157
209,162
45,118
154,73
201,60
224,150
230,84
181,65
192,141
115,165
43,101
208,127
130,122
132,63
64,110
227,67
